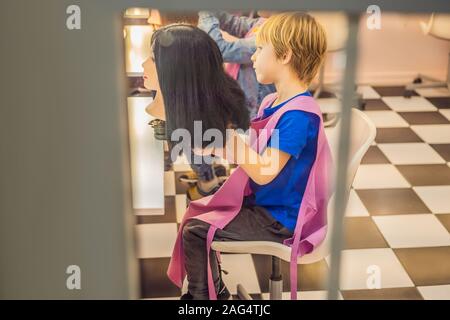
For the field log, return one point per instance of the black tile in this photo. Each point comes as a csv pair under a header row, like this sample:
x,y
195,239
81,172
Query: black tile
x,y
396,135
443,150
383,294
154,280
374,156
310,276
362,233
390,91
426,175
375,104
426,266
392,201
424,118
168,163
445,220
440,102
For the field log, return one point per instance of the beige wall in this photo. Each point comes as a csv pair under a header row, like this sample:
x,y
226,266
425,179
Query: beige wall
x,y
396,52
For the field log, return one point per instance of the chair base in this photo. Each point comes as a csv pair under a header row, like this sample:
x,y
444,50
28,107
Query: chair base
x,y
275,283
419,83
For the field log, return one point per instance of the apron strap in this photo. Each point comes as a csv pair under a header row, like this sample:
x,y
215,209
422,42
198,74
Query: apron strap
x,y
211,286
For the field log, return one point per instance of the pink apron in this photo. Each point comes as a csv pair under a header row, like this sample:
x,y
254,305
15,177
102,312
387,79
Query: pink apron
x,y
220,209
233,68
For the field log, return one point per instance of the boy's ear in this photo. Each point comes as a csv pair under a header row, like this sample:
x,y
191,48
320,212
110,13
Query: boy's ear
x,y
286,59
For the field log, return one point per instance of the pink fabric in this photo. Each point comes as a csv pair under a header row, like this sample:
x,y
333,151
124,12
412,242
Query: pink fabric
x,y
233,68
219,209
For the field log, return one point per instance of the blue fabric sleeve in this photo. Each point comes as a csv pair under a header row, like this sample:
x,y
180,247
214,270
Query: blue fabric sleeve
x,y
235,25
293,130
239,51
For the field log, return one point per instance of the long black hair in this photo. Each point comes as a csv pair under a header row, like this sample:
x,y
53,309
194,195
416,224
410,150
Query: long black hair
x,y
194,84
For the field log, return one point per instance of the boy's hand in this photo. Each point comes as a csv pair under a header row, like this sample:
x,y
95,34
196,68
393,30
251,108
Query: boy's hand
x,y
261,168
233,148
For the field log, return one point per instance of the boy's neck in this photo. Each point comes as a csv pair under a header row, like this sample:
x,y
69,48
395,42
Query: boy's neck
x,y
287,87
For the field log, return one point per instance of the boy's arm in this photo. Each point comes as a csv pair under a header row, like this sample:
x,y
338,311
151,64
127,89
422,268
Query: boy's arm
x,y
261,168
288,140
267,166
239,51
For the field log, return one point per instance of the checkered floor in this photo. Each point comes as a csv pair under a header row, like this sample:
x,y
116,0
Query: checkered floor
x,y
398,217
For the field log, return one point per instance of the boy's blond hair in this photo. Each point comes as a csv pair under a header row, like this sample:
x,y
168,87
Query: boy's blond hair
x,y
300,33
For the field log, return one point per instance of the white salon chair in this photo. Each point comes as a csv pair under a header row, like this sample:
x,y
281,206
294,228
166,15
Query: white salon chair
x,y
362,135
439,27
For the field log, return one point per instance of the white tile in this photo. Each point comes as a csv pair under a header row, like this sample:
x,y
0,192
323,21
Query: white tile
x,y
304,295
355,207
155,240
360,267
435,292
445,113
412,231
180,206
433,133
379,176
402,104
410,153
368,92
169,183
436,198
241,270
329,105
433,92
386,119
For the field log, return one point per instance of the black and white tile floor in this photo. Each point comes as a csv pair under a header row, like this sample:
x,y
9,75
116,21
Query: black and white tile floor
x,y
398,217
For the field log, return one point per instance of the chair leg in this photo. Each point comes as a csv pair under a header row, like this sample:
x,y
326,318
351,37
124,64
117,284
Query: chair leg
x,y
425,77
275,283
436,84
242,293
431,82
276,280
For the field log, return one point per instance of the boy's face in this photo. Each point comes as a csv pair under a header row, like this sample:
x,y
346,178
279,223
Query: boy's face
x,y
265,64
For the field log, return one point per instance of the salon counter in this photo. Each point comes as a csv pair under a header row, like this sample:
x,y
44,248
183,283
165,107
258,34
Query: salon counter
x,y
147,160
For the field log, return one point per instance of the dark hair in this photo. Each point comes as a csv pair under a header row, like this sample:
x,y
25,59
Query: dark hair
x,y
194,84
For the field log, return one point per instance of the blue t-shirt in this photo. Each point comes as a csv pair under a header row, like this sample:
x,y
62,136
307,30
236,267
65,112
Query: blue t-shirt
x,y
298,134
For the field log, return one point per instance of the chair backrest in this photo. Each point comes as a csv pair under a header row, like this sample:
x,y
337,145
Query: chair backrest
x,y
438,26
361,137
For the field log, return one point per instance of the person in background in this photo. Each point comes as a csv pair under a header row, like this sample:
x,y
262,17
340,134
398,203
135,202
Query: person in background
x,y
237,52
